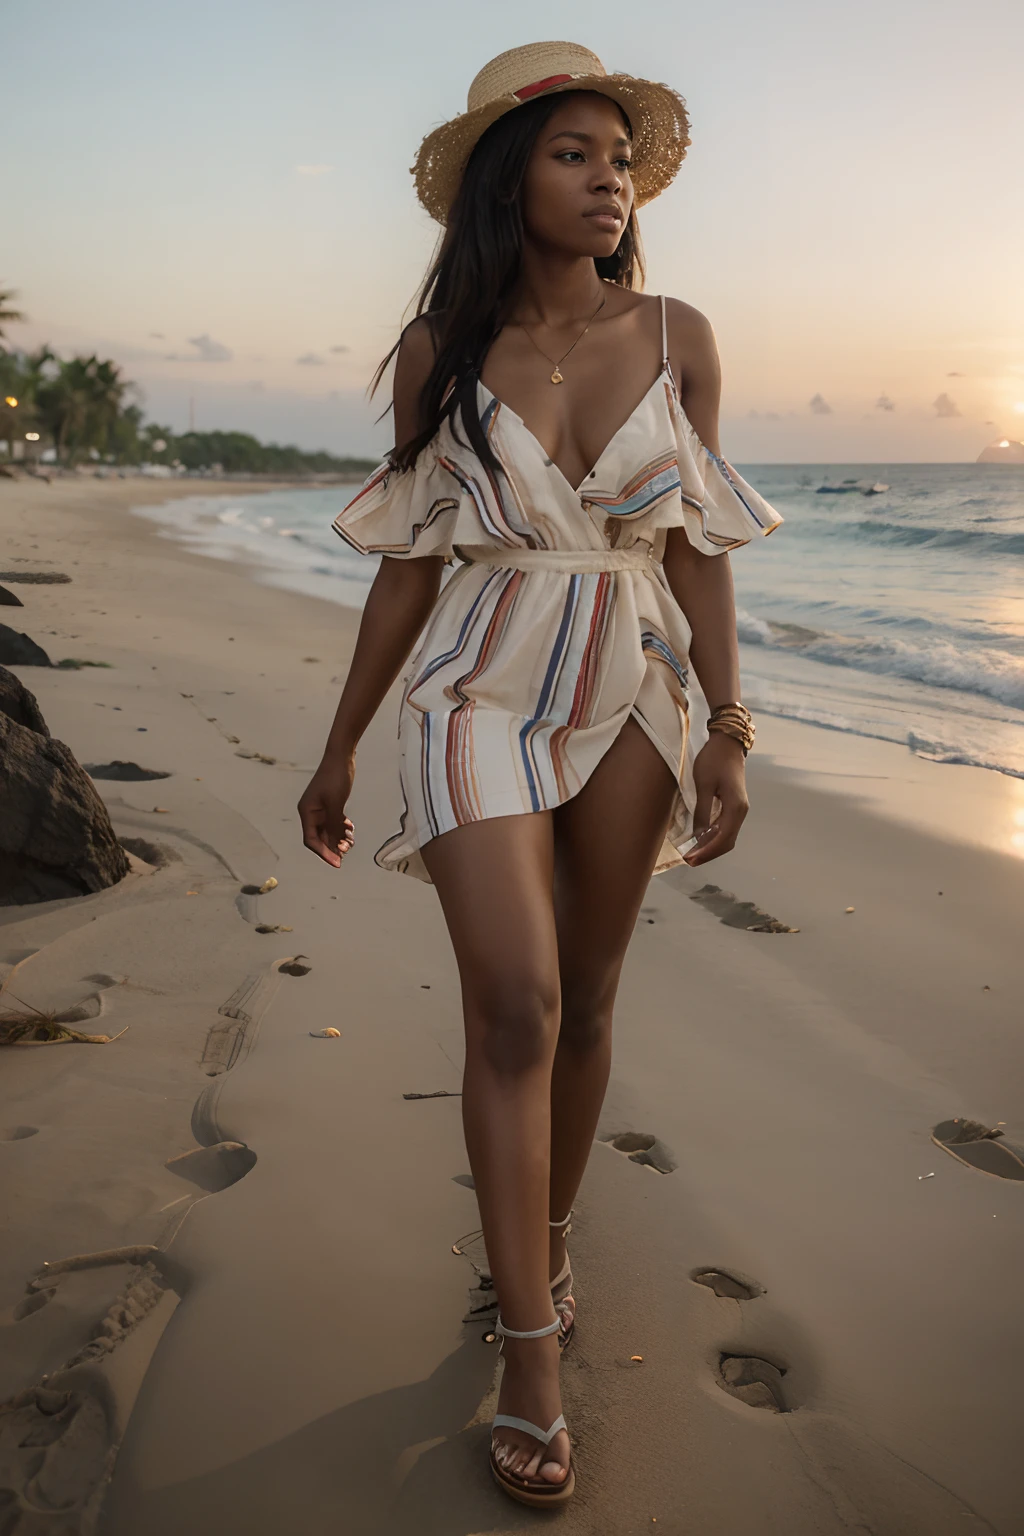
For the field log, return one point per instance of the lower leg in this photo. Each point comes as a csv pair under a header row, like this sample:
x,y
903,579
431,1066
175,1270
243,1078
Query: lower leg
x,y
495,883
579,1080
607,841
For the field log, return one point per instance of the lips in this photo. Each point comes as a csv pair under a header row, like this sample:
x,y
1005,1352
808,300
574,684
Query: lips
x,y
608,216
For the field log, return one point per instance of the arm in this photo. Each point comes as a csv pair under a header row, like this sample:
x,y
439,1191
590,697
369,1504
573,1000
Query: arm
x,y
399,604
702,586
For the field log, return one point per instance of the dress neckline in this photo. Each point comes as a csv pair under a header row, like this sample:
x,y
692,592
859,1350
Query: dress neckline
x,y
609,445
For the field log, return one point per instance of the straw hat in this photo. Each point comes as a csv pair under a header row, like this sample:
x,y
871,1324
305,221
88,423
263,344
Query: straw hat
x,y
657,114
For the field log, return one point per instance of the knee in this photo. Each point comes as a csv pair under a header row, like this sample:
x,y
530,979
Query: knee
x,y
516,1024
586,1023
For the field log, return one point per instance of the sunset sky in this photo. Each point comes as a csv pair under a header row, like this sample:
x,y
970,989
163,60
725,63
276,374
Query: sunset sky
x,y
217,195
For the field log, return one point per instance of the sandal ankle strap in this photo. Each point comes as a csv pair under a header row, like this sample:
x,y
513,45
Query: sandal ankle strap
x,y
563,1223
532,1333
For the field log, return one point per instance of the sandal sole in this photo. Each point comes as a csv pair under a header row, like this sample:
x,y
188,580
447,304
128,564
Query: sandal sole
x,y
561,1493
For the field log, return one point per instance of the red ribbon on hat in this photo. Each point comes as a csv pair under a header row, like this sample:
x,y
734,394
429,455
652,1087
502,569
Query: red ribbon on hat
x,y
535,89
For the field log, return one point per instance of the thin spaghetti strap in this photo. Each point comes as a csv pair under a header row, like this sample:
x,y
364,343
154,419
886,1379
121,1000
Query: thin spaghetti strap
x,y
664,335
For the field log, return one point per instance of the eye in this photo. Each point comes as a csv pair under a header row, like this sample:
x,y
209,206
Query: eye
x,y
624,163
565,153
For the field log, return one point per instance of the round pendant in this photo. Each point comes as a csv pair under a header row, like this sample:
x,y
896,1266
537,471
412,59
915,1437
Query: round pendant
x,y
556,377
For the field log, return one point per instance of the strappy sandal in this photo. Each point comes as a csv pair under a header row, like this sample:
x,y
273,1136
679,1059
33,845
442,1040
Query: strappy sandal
x,y
535,1491
561,1291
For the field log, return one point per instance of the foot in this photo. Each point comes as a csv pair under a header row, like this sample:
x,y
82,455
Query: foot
x,y
556,1252
529,1390
561,1294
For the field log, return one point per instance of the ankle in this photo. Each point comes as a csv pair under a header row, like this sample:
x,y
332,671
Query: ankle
x,y
556,1255
531,1358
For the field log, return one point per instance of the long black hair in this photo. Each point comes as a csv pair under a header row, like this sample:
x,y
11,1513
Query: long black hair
x,y
468,289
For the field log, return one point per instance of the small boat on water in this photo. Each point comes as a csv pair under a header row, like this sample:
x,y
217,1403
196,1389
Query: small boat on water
x,y
878,489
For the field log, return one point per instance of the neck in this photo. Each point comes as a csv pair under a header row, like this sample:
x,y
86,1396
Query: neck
x,y
554,289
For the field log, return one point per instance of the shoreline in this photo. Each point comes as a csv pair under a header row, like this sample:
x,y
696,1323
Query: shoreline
x,y
791,1078
898,780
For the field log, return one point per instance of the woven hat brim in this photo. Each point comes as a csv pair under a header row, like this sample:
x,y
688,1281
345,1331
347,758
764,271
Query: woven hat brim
x,y
657,113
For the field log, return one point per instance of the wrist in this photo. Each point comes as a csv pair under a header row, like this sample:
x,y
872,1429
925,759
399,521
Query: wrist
x,y
339,750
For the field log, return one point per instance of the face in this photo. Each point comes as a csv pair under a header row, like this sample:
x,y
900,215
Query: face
x,y
577,193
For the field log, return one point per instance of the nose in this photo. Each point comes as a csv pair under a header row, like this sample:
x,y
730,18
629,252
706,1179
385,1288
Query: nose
x,y
606,178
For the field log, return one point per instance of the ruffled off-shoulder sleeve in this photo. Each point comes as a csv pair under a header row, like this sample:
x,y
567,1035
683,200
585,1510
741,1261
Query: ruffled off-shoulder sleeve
x,y
715,505
403,512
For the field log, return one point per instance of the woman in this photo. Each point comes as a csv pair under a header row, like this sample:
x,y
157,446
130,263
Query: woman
x,y
556,433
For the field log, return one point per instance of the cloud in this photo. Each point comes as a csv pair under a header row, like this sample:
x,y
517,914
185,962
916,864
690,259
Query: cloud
x,y
256,385
944,406
313,170
954,375
763,416
820,406
883,403
339,349
157,335
210,351
311,360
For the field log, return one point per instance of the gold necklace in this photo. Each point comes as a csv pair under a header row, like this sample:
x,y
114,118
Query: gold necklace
x,y
556,377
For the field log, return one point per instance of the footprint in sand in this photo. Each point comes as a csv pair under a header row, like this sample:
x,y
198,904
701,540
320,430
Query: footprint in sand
x,y
980,1146
756,1382
738,914
19,1132
159,855
59,1444
214,1168
34,1303
643,1148
736,1287
295,966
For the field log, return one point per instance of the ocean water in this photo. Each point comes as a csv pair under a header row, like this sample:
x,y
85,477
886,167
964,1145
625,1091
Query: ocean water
x,y
898,615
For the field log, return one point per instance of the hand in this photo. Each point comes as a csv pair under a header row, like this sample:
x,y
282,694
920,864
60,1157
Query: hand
x,y
719,773
326,830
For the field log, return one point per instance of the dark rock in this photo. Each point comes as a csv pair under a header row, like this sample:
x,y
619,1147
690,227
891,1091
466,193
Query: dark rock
x,y
55,835
17,650
8,599
19,705
129,773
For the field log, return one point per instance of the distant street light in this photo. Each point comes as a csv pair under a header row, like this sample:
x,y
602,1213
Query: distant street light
x,y
10,400
31,437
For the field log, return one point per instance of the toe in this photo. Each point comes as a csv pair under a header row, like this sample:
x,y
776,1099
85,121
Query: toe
x,y
552,1472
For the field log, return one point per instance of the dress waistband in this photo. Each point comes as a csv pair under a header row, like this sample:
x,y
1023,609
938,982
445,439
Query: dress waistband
x,y
571,562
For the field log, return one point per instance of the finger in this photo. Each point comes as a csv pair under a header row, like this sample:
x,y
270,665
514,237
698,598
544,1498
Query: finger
x,y
705,807
702,848
340,833
728,827
314,835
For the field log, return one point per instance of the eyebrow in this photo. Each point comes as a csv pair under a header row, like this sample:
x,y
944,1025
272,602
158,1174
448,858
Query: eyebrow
x,y
586,138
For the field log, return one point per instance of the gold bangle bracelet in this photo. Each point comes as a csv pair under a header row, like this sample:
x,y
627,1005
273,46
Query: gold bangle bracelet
x,y
733,720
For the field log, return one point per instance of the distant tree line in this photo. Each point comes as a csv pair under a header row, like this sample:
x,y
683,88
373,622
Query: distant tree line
x,y
85,408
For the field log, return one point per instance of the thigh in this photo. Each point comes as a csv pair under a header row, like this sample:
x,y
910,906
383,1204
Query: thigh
x,y
494,879
607,841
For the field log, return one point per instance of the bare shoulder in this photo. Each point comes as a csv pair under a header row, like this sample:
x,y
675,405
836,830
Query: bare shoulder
x,y
690,332
694,354
415,359
416,352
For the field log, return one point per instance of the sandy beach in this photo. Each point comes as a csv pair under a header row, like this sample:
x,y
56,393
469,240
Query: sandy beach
x,y
270,1337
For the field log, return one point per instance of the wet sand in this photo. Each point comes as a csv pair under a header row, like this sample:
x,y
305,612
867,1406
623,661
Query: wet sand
x,y
286,1347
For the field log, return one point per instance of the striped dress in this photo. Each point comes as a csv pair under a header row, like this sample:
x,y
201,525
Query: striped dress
x,y
558,624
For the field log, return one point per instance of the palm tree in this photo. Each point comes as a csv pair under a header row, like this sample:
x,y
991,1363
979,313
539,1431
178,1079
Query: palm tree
x,y
8,314
81,404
